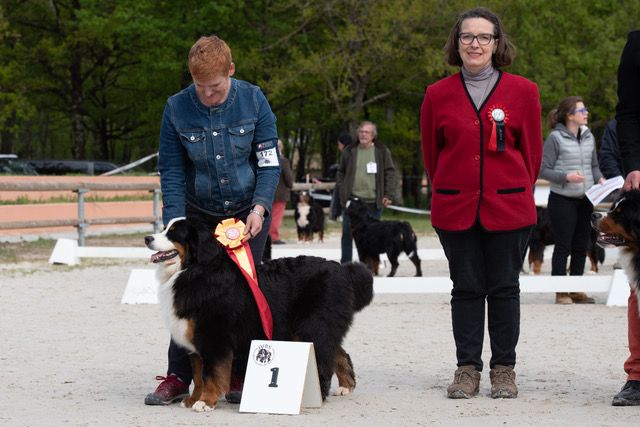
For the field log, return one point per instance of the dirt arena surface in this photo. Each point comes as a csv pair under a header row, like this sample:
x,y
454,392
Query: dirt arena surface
x,y
73,355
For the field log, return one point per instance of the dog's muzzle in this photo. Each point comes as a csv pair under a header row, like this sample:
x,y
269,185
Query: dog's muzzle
x,y
605,240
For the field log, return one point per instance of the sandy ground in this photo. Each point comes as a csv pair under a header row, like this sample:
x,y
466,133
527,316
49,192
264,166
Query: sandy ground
x,y
72,355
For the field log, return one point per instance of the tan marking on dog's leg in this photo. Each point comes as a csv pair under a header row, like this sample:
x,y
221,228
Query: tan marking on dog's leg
x,y
537,267
376,265
343,369
215,384
196,367
594,264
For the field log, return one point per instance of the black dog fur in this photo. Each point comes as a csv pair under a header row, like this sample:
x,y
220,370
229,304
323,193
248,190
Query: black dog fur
x,y
620,227
311,299
374,237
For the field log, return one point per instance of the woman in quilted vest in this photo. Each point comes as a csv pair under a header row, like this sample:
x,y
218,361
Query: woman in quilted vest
x,y
570,164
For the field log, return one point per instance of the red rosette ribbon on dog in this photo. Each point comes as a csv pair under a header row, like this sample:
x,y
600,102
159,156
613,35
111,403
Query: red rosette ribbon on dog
x,y
499,116
229,234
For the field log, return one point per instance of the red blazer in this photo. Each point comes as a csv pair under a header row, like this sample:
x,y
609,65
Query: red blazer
x,y
469,181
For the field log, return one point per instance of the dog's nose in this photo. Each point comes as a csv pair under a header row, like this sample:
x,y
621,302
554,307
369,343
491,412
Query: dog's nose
x,y
596,215
148,240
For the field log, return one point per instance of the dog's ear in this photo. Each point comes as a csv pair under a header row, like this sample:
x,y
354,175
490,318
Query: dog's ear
x,y
202,246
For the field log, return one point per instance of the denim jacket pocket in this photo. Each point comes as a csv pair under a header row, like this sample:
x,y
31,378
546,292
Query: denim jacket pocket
x,y
241,138
194,142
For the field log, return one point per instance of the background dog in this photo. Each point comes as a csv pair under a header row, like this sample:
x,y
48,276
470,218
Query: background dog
x,y
542,236
210,310
620,227
374,237
309,217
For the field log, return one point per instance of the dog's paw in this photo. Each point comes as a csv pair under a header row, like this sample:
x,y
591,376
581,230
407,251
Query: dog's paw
x,y
201,406
342,391
187,402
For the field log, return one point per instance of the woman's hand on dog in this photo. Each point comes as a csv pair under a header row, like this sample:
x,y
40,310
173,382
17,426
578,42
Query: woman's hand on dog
x,y
253,224
632,181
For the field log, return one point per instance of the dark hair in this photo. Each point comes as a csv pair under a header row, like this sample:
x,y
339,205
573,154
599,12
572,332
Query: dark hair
x,y
345,139
561,113
505,51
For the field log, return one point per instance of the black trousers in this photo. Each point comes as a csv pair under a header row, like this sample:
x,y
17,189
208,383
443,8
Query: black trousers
x,y
179,361
570,222
485,266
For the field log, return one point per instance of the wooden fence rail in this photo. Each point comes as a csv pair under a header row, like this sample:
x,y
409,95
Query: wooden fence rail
x,y
81,187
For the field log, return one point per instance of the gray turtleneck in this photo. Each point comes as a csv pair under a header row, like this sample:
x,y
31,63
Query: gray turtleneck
x,y
479,85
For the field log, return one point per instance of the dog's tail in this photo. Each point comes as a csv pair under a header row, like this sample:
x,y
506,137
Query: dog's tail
x,y
361,283
409,239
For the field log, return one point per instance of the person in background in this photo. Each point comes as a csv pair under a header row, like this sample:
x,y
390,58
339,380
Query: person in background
x,y
609,154
570,164
481,143
366,171
218,159
628,130
282,195
335,210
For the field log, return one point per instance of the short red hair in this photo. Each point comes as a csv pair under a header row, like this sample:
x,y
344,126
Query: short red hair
x,y
209,57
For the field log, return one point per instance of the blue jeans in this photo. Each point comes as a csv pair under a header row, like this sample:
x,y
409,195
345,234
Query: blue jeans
x,y
347,239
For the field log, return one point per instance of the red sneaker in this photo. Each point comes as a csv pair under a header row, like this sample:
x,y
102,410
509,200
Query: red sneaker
x,y
170,390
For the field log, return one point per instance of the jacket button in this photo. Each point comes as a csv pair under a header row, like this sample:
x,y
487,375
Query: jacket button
x,y
215,133
226,202
218,157
192,138
476,122
241,130
476,157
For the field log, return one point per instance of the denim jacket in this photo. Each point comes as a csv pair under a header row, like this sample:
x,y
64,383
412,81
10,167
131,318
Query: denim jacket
x,y
221,160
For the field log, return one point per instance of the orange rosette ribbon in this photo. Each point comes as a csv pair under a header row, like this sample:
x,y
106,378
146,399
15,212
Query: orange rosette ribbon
x,y
229,234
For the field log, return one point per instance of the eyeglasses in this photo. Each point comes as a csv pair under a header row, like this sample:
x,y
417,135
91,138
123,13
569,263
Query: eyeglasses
x,y
483,39
581,110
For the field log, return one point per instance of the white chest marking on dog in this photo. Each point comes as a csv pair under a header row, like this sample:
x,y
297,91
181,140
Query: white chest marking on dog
x,y
176,326
304,211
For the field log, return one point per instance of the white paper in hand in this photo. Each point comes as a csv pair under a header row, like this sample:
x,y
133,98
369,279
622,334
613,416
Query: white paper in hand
x,y
598,192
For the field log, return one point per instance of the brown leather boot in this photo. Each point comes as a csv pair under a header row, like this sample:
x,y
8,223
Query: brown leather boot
x,y
503,382
466,383
563,298
581,298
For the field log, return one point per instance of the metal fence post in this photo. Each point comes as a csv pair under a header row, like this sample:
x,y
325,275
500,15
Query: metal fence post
x,y
82,224
157,223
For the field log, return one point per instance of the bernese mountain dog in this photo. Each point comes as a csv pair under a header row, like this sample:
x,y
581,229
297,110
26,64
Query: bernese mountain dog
x,y
209,308
374,237
309,218
620,227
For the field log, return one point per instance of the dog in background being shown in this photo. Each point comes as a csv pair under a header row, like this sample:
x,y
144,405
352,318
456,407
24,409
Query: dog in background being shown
x,y
374,237
209,308
620,227
542,236
309,218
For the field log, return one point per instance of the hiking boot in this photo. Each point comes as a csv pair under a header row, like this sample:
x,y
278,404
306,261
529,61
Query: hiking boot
x,y
466,383
563,298
629,395
581,298
503,383
170,390
234,395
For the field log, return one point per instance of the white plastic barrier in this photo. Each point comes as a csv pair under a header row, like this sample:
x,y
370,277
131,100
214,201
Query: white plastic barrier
x,y
142,285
